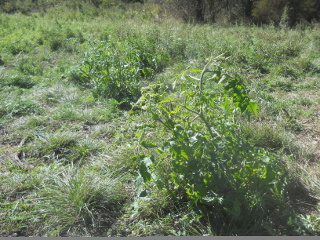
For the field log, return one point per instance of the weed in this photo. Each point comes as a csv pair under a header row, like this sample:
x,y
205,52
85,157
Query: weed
x,y
53,146
200,154
113,71
29,66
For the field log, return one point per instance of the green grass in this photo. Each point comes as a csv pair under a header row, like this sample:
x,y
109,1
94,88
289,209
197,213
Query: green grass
x,y
69,80
56,200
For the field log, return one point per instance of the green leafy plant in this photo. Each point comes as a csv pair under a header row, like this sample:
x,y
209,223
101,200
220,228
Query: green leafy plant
x,y
205,160
113,70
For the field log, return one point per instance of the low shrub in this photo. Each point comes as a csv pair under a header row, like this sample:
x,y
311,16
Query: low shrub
x,y
203,159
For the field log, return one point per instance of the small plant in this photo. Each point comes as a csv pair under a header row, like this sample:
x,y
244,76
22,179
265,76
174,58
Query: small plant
x,y
53,146
112,70
263,136
83,199
20,80
65,146
29,66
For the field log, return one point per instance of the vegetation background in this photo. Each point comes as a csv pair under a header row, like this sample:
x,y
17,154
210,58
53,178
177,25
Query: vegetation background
x,y
173,117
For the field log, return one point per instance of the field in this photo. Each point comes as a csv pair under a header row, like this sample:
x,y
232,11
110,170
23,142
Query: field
x,y
121,121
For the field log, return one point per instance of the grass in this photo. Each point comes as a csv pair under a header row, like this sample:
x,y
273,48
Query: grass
x,y
60,200
71,121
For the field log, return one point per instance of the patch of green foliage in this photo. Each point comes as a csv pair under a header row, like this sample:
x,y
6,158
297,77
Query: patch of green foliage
x,y
112,69
204,160
88,91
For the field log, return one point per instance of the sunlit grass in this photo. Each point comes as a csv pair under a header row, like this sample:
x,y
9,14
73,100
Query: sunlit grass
x,y
83,146
61,201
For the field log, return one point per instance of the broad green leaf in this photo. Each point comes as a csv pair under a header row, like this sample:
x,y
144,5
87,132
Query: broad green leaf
x,y
147,72
138,135
265,159
148,160
184,154
146,144
169,98
270,175
253,107
195,70
226,104
143,193
143,170
193,138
